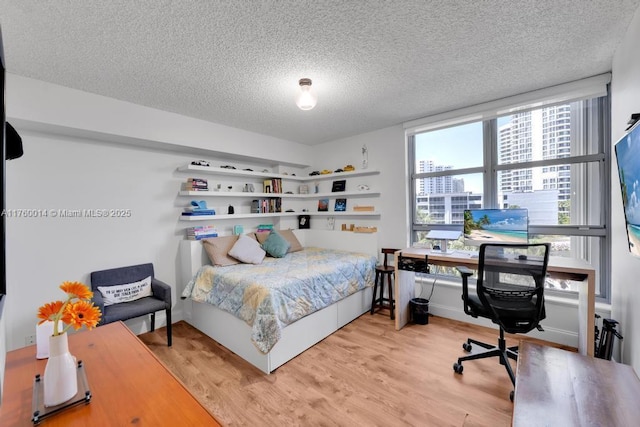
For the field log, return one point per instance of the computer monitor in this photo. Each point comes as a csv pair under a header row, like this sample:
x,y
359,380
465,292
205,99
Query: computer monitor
x,y
495,226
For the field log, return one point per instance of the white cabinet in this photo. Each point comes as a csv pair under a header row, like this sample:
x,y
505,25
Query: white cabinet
x,y
227,188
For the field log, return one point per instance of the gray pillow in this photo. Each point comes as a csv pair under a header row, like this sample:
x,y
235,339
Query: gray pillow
x,y
247,250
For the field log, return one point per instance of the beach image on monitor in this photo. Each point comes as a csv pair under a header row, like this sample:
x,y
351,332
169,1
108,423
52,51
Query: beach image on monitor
x,y
495,226
628,156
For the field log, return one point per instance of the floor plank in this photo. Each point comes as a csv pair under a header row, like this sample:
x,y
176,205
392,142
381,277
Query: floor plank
x,y
367,373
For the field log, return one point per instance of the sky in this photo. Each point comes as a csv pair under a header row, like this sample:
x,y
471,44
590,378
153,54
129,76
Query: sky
x,y
459,146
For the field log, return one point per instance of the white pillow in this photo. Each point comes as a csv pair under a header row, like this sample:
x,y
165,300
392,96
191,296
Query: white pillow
x,y
247,250
128,292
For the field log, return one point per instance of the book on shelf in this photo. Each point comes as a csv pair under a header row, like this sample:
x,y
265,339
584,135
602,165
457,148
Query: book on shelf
x,y
201,232
197,212
202,236
271,205
197,181
273,185
323,205
196,184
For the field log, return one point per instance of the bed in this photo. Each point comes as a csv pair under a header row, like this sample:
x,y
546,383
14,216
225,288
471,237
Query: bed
x,y
271,337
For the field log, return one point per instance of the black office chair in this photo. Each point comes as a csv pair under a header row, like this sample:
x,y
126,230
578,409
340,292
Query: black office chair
x,y
510,292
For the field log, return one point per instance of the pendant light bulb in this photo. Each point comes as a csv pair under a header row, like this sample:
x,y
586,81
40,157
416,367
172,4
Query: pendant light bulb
x,y
306,98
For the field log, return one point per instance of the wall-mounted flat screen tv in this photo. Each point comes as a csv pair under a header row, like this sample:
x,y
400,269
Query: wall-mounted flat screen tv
x,y
628,156
495,226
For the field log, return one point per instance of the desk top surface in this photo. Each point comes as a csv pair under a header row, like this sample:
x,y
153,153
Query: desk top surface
x,y
129,385
556,387
458,257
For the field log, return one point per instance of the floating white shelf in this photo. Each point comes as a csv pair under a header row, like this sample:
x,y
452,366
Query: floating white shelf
x,y
335,195
213,170
277,214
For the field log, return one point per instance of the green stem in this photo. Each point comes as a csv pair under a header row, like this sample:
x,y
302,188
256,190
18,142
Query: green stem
x,y
58,316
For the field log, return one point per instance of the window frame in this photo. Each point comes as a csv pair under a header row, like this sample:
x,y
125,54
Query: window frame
x,y
594,124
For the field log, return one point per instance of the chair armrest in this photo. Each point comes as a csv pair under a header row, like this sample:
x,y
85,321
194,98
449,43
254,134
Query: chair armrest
x,y
161,290
466,273
98,301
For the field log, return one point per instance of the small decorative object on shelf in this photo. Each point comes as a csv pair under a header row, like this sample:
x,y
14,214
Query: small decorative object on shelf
x,y
238,229
363,208
364,229
331,222
231,210
365,157
60,374
303,189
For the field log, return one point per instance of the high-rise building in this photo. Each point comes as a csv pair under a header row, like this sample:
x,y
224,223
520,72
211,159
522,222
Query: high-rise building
x,y
528,136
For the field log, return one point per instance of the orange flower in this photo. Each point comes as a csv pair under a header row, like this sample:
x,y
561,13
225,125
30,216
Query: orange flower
x,y
49,310
76,310
83,313
77,290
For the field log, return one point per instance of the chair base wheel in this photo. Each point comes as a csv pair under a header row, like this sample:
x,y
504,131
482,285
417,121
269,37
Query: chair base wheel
x,y
457,368
466,347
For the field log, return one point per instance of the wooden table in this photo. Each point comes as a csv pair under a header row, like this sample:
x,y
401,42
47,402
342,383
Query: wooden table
x,y
129,385
559,267
556,387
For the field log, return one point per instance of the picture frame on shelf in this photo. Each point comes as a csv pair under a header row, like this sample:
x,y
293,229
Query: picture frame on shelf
x,y
303,189
338,185
323,205
341,205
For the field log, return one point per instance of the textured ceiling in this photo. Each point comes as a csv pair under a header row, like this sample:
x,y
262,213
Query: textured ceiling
x,y
373,63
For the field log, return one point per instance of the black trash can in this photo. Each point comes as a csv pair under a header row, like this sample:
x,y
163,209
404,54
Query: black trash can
x,y
419,308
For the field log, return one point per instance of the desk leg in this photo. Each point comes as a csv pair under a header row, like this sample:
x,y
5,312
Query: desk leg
x,y
405,290
586,313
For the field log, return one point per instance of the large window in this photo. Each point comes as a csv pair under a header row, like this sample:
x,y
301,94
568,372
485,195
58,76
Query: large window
x,y
552,160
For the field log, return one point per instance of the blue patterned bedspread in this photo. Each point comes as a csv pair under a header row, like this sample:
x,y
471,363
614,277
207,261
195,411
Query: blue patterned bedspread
x,y
280,291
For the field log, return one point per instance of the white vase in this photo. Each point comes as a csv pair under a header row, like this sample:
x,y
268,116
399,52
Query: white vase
x,y
60,374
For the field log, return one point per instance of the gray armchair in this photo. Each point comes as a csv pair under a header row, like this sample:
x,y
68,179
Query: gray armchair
x,y
160,300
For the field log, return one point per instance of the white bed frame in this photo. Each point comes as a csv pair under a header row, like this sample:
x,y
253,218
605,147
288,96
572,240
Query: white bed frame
x,y
235,334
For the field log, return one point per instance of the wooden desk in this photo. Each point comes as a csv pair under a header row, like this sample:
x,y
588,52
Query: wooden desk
x,y
565,268
129,385
559,388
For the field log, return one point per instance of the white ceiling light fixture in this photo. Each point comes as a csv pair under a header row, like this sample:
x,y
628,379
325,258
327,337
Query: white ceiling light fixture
x,y
306,98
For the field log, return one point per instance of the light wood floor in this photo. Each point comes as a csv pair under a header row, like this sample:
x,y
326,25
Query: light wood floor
x,y
365,374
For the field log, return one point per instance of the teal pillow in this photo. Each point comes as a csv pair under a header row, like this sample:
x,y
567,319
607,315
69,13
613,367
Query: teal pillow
x,y
276,245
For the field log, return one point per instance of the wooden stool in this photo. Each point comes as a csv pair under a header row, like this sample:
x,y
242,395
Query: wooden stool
x,y
384,271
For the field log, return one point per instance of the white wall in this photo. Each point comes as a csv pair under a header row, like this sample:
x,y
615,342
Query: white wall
x,y
625,94
387,153
71,172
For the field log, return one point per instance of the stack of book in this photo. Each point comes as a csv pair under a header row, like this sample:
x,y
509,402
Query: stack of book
x,y
190,211
203,232
196,184
264,227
